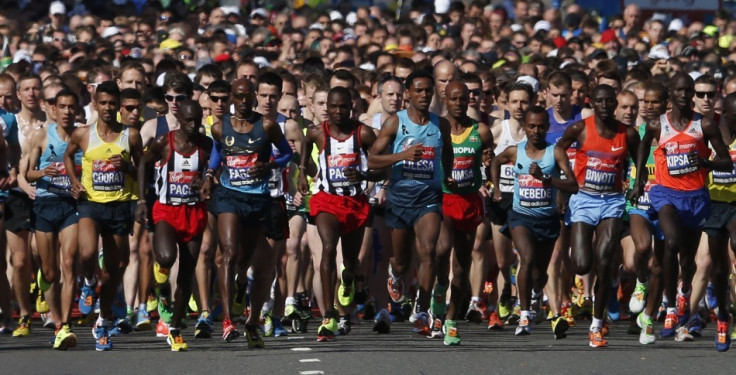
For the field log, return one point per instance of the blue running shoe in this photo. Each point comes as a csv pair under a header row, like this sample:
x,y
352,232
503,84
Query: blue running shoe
x,y
614,306
124,325
203,329
695,326
723,340
278,328
671,322
87,299
102,342
142,320
710,297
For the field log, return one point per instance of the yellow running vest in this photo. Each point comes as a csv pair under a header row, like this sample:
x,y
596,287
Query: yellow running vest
x,y
102,181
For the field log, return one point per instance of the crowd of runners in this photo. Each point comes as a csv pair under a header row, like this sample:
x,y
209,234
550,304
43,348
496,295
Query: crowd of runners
x,y
195,169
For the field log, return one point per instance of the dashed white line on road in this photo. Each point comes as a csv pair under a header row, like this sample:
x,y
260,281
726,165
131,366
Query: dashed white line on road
x,y
294,337
311,372
301,349
305,360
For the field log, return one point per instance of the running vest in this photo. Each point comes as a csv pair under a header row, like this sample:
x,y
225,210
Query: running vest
x,y
414,183
722,185
532,197
176,173
208,122
337,155
277,183
376,122
506,181
240,152
102,181
53,154
466,166
644,203
673,168
557,129
600,162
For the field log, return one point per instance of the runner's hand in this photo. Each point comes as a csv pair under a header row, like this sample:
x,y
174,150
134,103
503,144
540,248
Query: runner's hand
x,y
484,192
51,170
536,172
353,175
413,153
298,199
118,162
259,170
141,213
496,195
206,191
451,183
77,190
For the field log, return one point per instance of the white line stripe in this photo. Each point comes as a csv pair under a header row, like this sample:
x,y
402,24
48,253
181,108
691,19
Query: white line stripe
x,y
305,360
312,372
301,349
294,337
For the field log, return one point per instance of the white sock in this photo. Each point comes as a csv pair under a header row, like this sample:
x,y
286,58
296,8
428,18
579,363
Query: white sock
x,y
474,299
90,282
524,314
646,283
597,323
141,307
290,301
672,310
645,316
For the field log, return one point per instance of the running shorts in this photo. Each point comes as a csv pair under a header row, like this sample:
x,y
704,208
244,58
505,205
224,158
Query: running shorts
x,y
351,212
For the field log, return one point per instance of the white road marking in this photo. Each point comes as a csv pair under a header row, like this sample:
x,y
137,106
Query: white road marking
x,y
305,360
301,349
311,372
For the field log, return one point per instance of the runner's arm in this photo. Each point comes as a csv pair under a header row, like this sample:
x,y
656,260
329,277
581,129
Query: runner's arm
x,y
713,135
508,155
36,143
569,184
152,154
380,156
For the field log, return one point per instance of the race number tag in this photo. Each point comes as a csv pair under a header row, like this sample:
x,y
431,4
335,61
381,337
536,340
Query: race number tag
x,y
601,174
180,187
105,177
238,167
422,169
336,165
533,193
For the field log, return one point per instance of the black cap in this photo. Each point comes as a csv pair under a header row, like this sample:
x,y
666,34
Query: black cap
x,y
598,54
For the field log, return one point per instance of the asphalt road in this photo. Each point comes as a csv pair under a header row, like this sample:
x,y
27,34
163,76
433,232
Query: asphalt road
x,y
364,352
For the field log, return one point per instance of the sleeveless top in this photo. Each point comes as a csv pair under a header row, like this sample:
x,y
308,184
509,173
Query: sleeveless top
x,y
278,183
420,182
176,173
673,168
53,154
644,203
506,182
103,182
337,155
600,162
532,197
376,122
557,129
722,185
240,152
466,165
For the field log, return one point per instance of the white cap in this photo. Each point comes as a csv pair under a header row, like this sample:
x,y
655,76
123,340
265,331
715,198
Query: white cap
x,y
441,6
542,25
529,80
335,15
21,54
695,74
259,11
351,18
659,52
316,26
110,31
262,62
230,10
516,27
160,79
57,7
675,25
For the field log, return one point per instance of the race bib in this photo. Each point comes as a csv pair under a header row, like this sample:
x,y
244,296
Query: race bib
x,y
506,180
678,162
601,174
533,193
726,178
336,165
180,187
61,184
422,169
238,167
105,177
462,171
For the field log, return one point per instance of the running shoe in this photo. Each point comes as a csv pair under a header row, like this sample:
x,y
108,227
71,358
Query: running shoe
x,y
723,340
452,337
165,308
670,326
710,297
267,324
505,307
151,303
278,328
682,334
238,306
253,337
422,324
566,312
162,329
203,328
559,327
437,328
193,304
646,336
345,292
662,312
43,285
475,313
438,303
102,338
536,314
87,299
638,298
494,322
142,320
515,315
523,328
344,326
176,341
395,289
326,331
229,333
683,305
65,338
382,322
6,328
695,326
24,327
291,312
124,325
585,309
597,339
160,274
42,306
47,321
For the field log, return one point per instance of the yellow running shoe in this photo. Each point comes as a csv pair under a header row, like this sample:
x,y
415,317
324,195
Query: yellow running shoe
x,y
42,307
24,327
160,274
65,338
345,292
176,341
193,304
151,303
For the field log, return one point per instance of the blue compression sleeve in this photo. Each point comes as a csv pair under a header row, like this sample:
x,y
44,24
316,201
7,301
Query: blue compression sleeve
x,y
215,156
286,153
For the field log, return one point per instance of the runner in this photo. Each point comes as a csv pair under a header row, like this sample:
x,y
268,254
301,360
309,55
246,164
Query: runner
x,y
340,208
598,207
462,211
179,213
415,143
105,196
534,220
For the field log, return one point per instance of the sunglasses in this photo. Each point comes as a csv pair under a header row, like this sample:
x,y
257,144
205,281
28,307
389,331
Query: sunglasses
x,y
175,98
240,96
703,94
51,101
476,92
131,108
219,98
185,57
488,92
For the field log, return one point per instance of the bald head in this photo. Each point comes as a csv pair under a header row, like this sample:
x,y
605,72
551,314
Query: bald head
x,y
444,73
729,104
455,85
